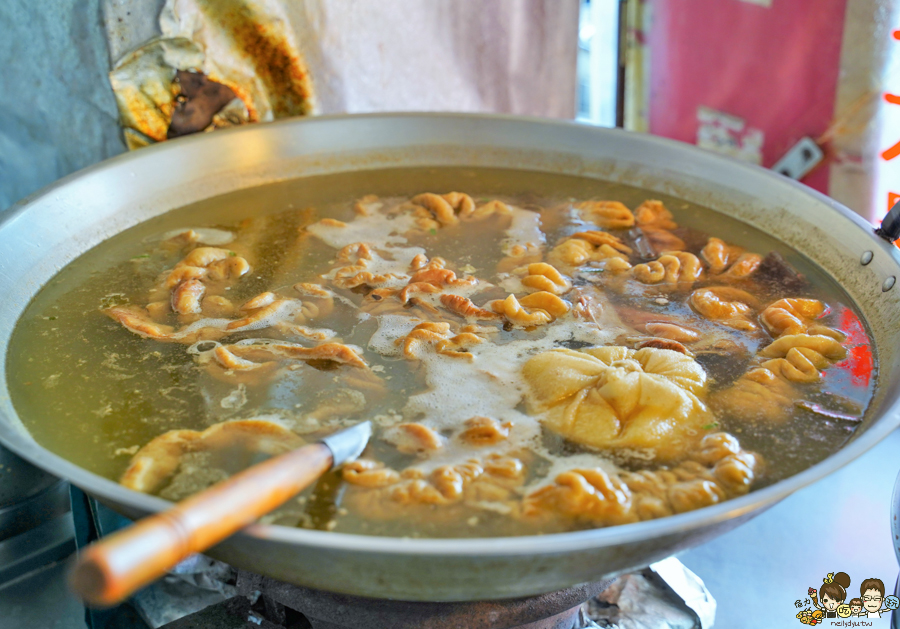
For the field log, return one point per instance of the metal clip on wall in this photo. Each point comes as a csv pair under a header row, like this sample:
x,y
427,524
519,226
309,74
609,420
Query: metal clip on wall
x,y
890,226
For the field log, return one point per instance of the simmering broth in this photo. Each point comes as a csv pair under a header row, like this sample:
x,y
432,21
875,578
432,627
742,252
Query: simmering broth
x,y
646,364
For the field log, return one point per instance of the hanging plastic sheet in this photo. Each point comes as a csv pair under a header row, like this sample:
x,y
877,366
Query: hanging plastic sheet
x,y
281,59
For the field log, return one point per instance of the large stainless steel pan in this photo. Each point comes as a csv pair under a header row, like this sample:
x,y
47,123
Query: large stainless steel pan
x,y
44,233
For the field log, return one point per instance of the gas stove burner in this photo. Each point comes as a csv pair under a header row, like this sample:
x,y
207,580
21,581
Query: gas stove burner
x,y
278,605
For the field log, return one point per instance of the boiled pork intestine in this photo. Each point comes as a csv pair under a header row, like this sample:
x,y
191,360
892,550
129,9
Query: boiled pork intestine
x,y
540,276
797,316
364,266
430,337
727,305
433,290
204,270
648,400
187,305
175,453
656,222
380,492
531,310
266,311
607,251
729,261
769,391
802,348
606,214
672,270
430,212
718,469
489,390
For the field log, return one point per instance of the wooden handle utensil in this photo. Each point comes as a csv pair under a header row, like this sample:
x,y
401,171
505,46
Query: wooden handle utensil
x,y
111,569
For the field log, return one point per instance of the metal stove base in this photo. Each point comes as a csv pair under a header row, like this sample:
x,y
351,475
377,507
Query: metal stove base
x,y
326,610
281,605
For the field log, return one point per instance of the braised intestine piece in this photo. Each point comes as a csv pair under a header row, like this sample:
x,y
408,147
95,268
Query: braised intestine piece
x,y
181,240
255,362
138,320
672,331
204,270
187,297
663,343
801,350
745,266
593,495
334,352
799,357
318,301
606,214
433,211
491,208
159,460
768,392
441,210
797,316
483,431
758,395
718,254
541,276
727,305
364,267
656,223
411,438
673,270
729,261
382,493
653,215
619,398
432,337
429,285
432,279
369,474
465,307
531,310
592,246
717,469
210,263
287,315
367,205
206,264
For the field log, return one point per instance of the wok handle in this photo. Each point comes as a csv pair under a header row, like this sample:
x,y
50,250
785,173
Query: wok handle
x,y
111,569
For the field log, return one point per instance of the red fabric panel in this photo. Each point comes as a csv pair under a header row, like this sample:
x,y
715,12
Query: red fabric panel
x,y
776,67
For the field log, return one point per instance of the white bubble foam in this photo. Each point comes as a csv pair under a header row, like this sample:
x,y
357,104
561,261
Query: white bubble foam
x,y
376,228
391,328
523,231
492,386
